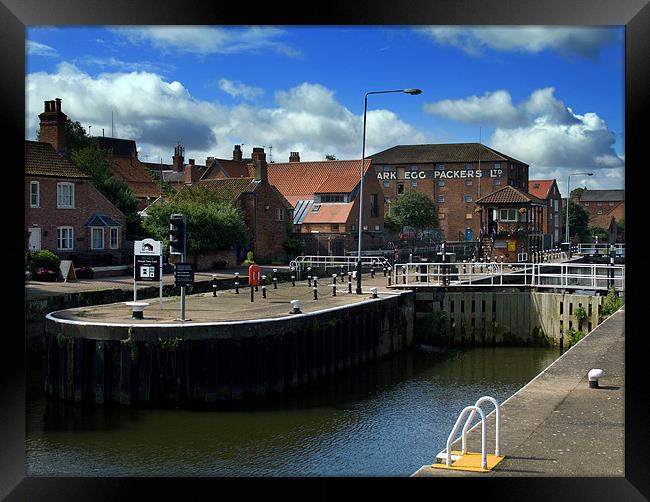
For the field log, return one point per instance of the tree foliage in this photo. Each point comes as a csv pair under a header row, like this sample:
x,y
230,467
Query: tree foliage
x,y
211,226
415,209
578,220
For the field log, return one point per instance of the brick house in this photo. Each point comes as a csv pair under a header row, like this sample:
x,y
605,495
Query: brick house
x,y
547,190
455,175
602,206
267,214
65,213
324,195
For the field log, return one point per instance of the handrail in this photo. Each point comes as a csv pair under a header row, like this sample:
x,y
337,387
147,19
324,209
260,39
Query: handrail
x,y
473,414
314,261
467,409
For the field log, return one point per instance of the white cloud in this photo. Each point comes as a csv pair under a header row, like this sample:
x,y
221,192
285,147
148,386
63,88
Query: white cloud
x,y
203,40
543,132
157,113
125,66
237,89
38,49
583,41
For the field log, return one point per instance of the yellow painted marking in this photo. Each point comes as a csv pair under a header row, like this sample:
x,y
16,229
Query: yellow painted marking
x,y
471,462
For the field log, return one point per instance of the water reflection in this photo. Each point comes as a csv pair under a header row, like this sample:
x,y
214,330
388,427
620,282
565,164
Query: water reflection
x,y
384,419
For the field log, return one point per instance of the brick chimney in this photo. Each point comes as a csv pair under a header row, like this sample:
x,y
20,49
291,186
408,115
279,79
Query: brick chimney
x,y
53,125
192,173
237,153
209,161
294,157
261,170
178,160
258,154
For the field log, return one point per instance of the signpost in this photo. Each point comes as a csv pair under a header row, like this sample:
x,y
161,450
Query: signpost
x,y
147,264
183,276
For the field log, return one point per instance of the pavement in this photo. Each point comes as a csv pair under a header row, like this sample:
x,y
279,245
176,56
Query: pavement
x,y
557,425
230,306
39,289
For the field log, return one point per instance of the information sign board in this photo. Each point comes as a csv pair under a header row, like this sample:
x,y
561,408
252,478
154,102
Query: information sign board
x,y
184,274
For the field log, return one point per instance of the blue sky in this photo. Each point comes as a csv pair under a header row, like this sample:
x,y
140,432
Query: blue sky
x,y
552,97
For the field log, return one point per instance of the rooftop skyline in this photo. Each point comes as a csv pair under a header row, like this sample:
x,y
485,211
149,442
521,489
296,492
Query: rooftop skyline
x,y
551,97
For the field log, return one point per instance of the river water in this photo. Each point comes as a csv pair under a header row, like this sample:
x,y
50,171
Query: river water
x,y
385,419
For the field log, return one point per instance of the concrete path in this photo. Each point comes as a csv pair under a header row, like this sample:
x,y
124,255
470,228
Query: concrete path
x,y
557,425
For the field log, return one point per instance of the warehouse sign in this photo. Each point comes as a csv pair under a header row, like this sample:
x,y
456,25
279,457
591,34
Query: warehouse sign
x,y
455,173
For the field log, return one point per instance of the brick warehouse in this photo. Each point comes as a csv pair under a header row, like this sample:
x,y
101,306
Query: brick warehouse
x,y
454,174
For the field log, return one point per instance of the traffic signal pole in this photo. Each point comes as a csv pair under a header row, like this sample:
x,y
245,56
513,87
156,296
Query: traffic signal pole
x,y
178,245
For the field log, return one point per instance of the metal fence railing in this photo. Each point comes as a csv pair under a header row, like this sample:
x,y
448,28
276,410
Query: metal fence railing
x,y
544,275
601,249
336,263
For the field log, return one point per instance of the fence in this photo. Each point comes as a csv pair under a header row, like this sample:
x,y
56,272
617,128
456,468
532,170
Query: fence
x,y
541,275
340,263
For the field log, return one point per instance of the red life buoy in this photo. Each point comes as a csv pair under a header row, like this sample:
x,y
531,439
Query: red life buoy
x,y
254,275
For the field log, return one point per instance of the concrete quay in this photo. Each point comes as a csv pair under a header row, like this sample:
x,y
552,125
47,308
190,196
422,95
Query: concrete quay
x,y
557,425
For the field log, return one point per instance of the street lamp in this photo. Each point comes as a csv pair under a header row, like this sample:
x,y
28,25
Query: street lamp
x,y
363,155
568,196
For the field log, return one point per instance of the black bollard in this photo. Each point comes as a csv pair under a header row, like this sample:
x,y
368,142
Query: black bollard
x,y
275,278
349,282
263,291
384,270
214,285
389,280
315,293
372,271
334,278
237,283
309,280
315,282
252,294
293,280
334,289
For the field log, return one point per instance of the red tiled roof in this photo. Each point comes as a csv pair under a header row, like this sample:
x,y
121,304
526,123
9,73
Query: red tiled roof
x,y
509,195
136,176
330,212
329,176
41,159
232,188
540,188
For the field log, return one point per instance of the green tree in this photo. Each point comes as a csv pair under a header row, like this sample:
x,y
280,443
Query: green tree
x,y
392,223
74,135
599,232
620,225
415,209
578,220
329,156
211,226
576,193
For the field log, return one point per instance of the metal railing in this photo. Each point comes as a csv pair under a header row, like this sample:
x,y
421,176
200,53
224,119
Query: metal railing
x,y
340,263
601,249
562,275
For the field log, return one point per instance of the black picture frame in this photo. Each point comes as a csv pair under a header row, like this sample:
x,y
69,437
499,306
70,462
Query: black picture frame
x,y
15,15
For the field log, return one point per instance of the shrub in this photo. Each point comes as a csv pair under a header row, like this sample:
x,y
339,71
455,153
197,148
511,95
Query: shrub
x,y
580,314
612,303
575,336
42,259
293,247
43,274
84,273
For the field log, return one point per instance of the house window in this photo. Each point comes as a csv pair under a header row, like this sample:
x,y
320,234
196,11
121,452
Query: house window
x,y
467,198
400,188
34,194
65,195
96,238
115,237
508,215
279,214
586,204
315,208
497,181
414,183
441,183
414,168
555,205
498,166
386,184
64,238
468,167
335,228
374,211
441,199
331,198
469,183
354,227
440,167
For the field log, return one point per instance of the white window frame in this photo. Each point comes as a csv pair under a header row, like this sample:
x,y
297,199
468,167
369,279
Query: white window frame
x,y
279,214
117,237
60,239
466,197
59,187
440,199
469,183
508,214
33,184
414,183
441,183
497,181
92,238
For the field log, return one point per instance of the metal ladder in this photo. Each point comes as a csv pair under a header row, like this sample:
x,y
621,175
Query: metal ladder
x,y
447,457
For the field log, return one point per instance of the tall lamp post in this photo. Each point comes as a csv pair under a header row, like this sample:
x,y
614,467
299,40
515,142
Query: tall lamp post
x,y
363,155
568,197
